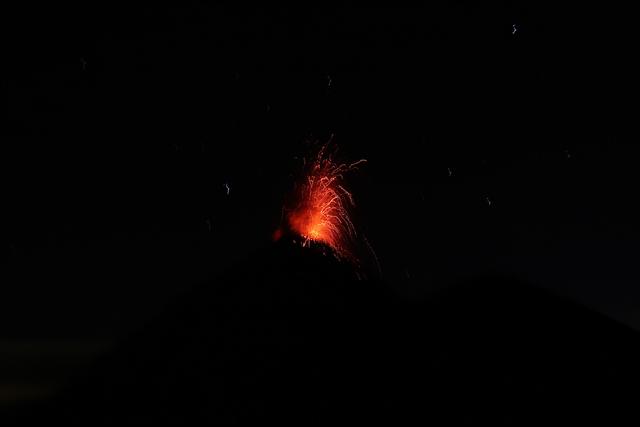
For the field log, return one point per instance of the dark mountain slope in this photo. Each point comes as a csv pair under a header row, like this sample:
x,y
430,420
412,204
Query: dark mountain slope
x,y
291,336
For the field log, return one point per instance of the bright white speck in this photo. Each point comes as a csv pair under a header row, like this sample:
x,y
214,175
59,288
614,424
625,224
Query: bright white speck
x,y
329,81
226,185
488,201
449,170
514,29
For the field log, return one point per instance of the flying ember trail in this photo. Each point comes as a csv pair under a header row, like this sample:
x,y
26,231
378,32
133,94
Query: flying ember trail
x,y
321,206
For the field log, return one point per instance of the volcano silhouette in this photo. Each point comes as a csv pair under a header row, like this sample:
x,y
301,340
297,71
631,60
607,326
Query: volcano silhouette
x,y
291,336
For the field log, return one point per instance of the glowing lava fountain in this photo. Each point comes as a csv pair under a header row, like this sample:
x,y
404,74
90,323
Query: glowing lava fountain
x,y
321,206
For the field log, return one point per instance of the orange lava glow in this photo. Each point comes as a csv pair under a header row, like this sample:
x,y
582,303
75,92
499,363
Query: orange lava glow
x,y
322,203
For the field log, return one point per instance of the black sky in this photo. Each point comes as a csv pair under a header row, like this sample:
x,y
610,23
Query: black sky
x,y
489,150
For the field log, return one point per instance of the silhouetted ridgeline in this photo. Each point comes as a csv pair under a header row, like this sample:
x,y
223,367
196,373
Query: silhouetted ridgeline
x,y
291,336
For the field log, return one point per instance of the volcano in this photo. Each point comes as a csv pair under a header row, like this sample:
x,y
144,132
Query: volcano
x,y
319,208
290,335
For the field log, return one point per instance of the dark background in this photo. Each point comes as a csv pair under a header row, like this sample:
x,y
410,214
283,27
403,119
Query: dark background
x,y
488,152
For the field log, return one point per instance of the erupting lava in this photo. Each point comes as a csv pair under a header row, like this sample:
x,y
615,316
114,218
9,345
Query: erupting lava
x,y
320,211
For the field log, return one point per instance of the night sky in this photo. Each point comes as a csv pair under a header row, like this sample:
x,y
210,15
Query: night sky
x,y
147,150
